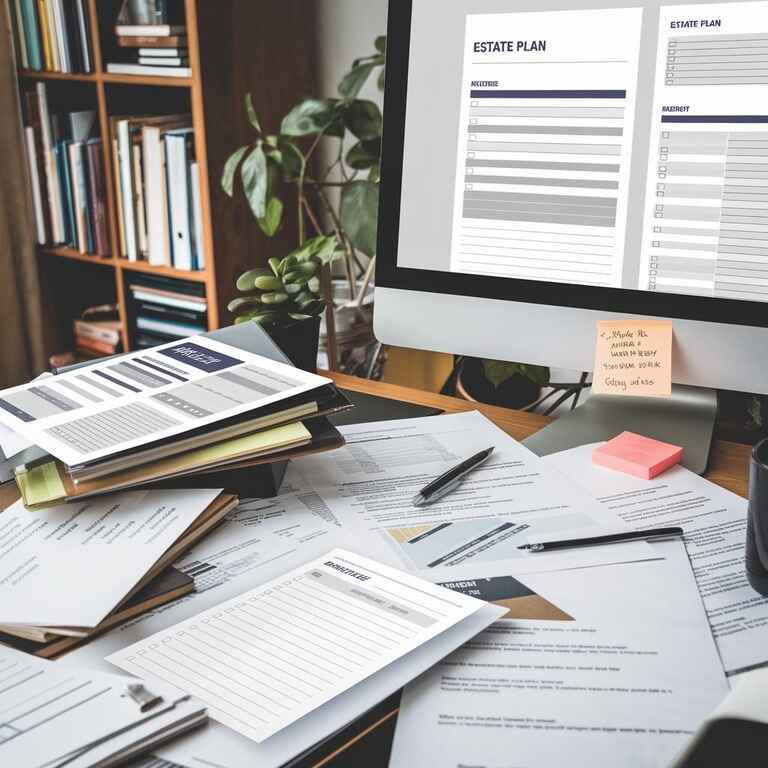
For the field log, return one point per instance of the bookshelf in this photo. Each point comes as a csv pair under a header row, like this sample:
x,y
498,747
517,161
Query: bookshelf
x,y
262,46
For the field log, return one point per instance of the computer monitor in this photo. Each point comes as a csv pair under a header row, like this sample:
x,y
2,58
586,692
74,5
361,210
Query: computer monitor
x,y
549,163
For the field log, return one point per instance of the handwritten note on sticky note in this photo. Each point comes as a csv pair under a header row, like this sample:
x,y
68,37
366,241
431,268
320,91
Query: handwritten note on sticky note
x,y
633,357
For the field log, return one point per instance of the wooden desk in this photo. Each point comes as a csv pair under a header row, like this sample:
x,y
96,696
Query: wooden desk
x,y
367,743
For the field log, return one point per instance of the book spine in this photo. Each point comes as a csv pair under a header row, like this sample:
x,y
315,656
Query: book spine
x,y
84,35
178,200
97,198
53,35
21,37
51,169
197,216
78,204
65,178
31,33
94,345
118,197
87,330
72,35
154,185
34,177
138,185
42,15
126,180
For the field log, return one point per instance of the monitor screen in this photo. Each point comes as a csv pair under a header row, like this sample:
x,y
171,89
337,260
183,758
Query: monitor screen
x,y
609,156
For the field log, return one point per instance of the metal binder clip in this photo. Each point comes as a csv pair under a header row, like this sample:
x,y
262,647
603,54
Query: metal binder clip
x,y
143,697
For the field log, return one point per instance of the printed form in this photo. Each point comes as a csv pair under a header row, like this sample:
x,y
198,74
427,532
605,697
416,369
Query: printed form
x,y
715,524
706,213
272,655
119,404
542,173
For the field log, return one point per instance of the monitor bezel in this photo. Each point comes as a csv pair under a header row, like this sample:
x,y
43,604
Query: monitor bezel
x,y
390,275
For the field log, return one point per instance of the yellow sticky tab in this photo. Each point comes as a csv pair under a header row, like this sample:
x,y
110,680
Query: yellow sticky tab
x,y
41,485
633,357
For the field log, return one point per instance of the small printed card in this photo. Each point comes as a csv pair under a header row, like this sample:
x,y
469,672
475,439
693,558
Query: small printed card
x,y
633,357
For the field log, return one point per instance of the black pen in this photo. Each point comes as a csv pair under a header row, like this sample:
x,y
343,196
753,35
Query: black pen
x,y
450,479
650,534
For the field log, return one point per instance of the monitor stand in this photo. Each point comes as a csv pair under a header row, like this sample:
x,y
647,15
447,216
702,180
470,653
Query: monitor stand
x,y
687,419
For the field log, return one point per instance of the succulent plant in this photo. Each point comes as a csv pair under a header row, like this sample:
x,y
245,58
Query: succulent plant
x,y
290,290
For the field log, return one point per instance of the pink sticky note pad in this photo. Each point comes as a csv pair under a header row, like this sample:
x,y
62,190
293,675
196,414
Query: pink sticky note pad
x,y
637,455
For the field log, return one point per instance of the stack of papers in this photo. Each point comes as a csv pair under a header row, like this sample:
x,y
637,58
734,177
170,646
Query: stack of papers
x,y
64,570
184,408
52,716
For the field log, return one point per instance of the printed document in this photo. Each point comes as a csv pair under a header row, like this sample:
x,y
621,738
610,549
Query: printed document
x,y
715,525
124,403
609,666
369,484
54,716
104,546
270,656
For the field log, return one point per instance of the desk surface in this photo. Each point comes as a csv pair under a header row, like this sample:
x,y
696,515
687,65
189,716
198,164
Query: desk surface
x,y
728,467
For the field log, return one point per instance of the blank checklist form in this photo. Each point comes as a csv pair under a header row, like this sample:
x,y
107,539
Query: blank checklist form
x,y
266,658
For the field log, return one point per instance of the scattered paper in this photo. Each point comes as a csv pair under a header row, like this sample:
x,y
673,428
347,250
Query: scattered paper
x,y
633,357
11,443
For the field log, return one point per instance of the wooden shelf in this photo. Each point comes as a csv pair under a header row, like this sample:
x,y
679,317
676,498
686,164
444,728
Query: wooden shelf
x,y
62,251
227,59
197,276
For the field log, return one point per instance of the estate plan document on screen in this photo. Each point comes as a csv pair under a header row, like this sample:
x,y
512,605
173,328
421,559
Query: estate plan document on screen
x,y
715,525
706,229
272,655
119,404
542,176
369,484
611,666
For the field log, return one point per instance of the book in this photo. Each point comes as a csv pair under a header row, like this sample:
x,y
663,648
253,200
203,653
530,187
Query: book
x,y
164,53
141,293
170,328
141,69
197,217
138,186
153,42
178,149
107,331
35,183
150,30
97,348
97,197
163,62
21,38
81,236
82,125
51,170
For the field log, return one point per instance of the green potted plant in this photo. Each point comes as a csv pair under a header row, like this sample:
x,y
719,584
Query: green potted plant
x,y
511,385
335,201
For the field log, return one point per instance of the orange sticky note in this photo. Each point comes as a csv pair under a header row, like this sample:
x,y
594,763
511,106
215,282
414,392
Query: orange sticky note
x,y
633,357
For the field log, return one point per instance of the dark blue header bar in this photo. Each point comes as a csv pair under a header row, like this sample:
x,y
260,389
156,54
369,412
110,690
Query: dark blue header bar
x,y
548,94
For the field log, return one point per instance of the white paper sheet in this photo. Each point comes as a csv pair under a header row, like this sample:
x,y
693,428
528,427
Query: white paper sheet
x,y
270,656
104,546
620,674
117,405
11,443
715,524
370,482
50,715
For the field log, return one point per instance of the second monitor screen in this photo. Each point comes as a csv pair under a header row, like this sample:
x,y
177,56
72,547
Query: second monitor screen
x,y
615,146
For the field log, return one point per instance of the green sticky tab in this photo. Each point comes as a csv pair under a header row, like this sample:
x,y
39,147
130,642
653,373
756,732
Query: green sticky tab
x,y
41,485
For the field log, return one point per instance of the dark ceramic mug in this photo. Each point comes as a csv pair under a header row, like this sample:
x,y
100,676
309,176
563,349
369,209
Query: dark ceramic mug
x,y
757,521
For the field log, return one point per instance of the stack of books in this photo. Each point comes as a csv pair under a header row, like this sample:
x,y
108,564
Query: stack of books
x,y
158,191
97,332
166,309
53,34
156,48
66,167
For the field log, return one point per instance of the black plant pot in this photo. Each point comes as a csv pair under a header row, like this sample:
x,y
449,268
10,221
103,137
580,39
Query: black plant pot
x,y
299,342
516,392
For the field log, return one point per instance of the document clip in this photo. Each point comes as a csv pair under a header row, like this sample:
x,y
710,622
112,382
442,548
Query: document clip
x,y
144,698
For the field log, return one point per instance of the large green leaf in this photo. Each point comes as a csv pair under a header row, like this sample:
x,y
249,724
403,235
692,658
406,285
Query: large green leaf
x,y
273,218
293,160
359,211
382,79
268,283
251,112
364,154
255,180
363,118
309,117
246,281
230,169
499,371
354,80
381,43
